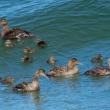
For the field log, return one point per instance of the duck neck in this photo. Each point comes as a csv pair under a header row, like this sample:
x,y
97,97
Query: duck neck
x,y
71,67
34,81
35,84
5,29
35,78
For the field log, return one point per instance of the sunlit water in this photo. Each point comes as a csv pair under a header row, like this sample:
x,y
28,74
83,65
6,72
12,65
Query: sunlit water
x,y
72,28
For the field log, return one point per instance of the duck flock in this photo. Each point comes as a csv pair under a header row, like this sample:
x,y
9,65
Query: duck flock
x,y
9,37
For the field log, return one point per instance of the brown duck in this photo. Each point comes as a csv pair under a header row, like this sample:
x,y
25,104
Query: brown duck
x,y
70,69
97,60
7,80
99,71
30,86
12,34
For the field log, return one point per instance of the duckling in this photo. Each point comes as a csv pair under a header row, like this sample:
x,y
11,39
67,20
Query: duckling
x,y
31,86
70,69
26,59
12,34
28,50
51,60
41,43
9,44
97,60
99,71
7,80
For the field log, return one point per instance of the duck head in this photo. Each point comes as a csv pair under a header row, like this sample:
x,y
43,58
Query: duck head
x,y
72,62
28,50
3,22
39,73
26,59
9,43
51,60
97,60
41,43
4,25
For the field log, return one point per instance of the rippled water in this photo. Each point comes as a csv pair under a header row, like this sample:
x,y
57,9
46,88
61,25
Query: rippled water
x,y
72,28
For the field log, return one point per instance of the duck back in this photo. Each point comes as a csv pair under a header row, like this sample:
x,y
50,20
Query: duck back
x,y
17,33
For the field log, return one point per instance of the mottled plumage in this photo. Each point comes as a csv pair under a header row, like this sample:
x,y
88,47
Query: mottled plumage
x,y
13,34
17,34
99,71
30,86
70,69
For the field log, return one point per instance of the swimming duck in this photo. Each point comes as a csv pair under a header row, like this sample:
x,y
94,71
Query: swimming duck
x,y
30,86
9,44
99,71
28,50
97,60
51,61
26,59
12,34
7,80
41,43
70,69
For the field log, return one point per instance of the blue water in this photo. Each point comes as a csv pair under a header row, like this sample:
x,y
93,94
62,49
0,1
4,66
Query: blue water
x,y
72,28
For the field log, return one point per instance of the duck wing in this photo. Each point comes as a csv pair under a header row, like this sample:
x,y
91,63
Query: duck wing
x,y
92,72
104,70
55,72
20,87
17,33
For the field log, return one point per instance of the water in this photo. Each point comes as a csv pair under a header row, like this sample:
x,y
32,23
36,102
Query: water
x,y
72,28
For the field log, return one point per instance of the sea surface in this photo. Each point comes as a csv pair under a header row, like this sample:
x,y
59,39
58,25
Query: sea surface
x,y
72,28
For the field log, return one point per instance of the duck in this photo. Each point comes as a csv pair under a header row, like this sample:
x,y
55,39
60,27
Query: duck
x,y
26,59
13,34
9,44
97,60
28,50
51,61
70,69
7,80
41,43
31,86
99,71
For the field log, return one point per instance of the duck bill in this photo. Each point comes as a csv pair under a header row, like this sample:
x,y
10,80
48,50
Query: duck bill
x,y
80,63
